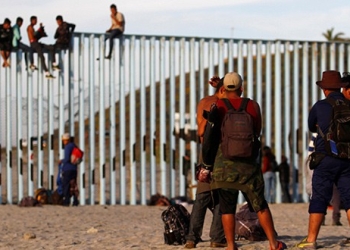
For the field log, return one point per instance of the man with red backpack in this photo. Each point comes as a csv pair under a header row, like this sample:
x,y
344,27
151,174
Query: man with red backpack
x,y
240,172
69,172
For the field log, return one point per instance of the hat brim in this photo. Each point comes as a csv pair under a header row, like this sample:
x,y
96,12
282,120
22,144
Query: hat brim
x,y
338,85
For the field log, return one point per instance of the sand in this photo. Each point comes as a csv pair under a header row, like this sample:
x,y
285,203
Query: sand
x,y
136,227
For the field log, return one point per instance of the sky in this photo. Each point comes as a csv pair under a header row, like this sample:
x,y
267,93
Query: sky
x,y
241,19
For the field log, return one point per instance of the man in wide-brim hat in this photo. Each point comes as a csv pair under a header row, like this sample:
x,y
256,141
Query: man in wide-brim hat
x,y
330,169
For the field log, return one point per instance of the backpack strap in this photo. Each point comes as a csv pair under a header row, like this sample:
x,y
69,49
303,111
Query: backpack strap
x,y
244,104
228,104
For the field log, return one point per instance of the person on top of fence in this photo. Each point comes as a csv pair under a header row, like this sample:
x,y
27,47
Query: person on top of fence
x,y
18,45
235,167
33,37
6,42
117,28
330,160
63,37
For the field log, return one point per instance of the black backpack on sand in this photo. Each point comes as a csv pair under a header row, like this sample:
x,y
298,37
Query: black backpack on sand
x,y
176,220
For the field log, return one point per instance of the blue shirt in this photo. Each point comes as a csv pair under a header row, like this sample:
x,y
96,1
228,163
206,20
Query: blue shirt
x,y
320,115
16,35
67,165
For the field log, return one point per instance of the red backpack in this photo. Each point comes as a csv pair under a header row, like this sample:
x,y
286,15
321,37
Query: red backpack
x,y
76,156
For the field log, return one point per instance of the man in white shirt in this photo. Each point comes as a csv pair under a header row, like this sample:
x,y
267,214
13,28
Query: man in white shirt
x,y
117,28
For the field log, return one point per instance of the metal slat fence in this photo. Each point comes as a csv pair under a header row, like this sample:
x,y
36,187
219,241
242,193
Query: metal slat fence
x,y
135,115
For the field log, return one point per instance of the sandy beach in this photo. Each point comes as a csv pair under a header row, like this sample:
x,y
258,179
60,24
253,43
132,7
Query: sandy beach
x,y
136,227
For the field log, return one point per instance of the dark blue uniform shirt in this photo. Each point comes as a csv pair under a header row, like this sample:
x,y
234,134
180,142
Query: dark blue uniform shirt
x,y
67,165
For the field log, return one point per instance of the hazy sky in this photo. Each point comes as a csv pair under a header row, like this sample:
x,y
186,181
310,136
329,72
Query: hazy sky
x,y
248,19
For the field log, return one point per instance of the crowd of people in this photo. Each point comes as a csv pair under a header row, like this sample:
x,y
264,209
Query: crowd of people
x,y
10,39
327,179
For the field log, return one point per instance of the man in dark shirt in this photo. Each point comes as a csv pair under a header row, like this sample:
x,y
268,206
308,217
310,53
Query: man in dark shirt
x,y
330,170
6,41
284,172
63,37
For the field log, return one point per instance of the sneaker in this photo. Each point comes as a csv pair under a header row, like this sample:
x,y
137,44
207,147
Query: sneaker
x,y
108,57
49,76
307,245
56,67
281,245
218,244
33,67
190,244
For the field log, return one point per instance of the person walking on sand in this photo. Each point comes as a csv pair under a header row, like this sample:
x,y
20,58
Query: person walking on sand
x,y
329,169
241,174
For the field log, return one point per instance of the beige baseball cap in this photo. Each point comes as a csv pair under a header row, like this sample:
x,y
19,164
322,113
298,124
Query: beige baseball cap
x,y
232,81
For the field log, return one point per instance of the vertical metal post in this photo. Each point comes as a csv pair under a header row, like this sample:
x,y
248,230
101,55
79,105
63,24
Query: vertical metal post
x,y
250,77
230,56
259,73
92,120
112,130
332,56
61,117
122,129
39,132
101,134
286,96
278,115
30,170
152,125
193,109
341,56
162,118
182,111
19,125
71,88
172,152
314,73
8,135
143,101
296,103
211,64
81,66
221,57
305,113
50,140
132,120
268,98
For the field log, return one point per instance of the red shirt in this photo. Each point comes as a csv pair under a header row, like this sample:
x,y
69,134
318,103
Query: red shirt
x,y
250,110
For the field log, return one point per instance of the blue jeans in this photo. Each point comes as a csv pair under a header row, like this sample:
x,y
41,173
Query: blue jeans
x,y
270,186
113,34
203,201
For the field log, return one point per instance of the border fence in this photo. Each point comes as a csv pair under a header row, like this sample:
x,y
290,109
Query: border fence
x,y
135,115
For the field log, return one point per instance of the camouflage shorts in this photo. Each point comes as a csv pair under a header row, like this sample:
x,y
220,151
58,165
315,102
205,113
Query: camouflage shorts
x,y
243,175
